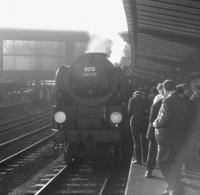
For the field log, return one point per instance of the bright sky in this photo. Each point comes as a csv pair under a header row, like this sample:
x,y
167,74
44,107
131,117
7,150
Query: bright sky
x,y
91,15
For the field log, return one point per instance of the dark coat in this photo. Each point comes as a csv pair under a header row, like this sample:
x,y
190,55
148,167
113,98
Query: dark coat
x,y
194,122
137,110
150,99
171,120
153,115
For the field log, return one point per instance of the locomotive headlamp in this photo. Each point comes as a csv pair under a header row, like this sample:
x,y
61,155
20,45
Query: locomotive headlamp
x,y
116,117
60,117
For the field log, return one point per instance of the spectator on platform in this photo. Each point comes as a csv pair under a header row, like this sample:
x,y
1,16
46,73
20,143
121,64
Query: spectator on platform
x,y
182,92
195,93
194,123
195,104
151,96
160,95
152,149
138,122
169,128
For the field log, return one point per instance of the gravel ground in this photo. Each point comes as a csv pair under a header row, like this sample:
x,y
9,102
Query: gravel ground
x,y
24,176
17,113
25,187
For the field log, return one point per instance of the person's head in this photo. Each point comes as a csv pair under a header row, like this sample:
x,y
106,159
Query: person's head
x,y
160,88
187,90
169,86
180,90
153,90
196,90
137,93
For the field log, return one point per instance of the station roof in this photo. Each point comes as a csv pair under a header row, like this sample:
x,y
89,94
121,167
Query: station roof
x,y
164,35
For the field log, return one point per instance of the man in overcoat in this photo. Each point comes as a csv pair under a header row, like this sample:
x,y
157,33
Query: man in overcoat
x,y
169,131
152,149
137,108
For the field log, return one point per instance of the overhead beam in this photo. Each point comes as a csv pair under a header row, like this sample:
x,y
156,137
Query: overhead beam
x,y
154,70
43,35
188,60
159,60
143,75
172,37
146,72
191,63
144,63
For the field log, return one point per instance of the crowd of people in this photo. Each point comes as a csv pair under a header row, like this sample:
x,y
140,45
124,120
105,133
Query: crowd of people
x,y
161,130
27,92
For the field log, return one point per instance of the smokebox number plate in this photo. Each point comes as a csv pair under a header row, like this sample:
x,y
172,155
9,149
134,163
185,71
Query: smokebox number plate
x,y
89,71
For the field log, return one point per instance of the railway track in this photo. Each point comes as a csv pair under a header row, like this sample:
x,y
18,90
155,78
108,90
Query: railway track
x,y
18,122
22,136
18,128
18,154
6,113
24,143
76,178
27,156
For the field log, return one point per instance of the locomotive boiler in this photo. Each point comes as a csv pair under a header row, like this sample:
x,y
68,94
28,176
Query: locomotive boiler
x,y
91,114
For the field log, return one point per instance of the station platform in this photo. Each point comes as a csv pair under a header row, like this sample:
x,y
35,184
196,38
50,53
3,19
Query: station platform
x,y
137,184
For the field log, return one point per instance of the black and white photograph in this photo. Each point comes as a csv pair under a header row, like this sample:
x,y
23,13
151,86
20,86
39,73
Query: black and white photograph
x,y
100,97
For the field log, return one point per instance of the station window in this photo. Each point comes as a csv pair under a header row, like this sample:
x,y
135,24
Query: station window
x,y
80,48
33,55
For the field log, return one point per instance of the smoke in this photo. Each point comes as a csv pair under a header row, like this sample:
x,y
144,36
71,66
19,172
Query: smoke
x,y
99,44
112,45
118,49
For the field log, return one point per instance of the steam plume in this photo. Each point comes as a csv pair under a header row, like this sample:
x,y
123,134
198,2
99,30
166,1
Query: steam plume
x,y
112,45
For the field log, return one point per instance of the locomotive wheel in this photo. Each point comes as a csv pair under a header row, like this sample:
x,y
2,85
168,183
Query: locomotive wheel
x,y
68,152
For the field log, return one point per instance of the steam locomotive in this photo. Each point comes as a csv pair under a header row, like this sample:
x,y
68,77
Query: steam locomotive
x,y
91,114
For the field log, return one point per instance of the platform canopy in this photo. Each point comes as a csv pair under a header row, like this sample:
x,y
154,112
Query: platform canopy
x,y
165,36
